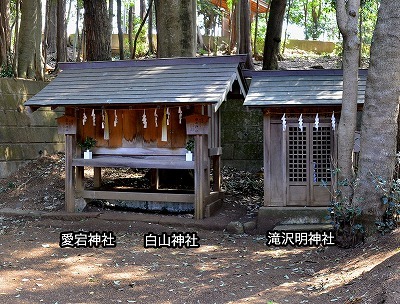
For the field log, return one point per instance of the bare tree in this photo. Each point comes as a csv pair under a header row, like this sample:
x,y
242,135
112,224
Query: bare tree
x,y
120,33
5,32
274,34
30,64
347,19
245,33
381,109
176,28
97,30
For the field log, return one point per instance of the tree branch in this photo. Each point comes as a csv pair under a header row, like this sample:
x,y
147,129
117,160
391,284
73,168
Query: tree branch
x,y
341,16
140,29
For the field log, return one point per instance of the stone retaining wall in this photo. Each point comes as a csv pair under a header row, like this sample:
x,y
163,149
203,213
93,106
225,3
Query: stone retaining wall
x,y
24,136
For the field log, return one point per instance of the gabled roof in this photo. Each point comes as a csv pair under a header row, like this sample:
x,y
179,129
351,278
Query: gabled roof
x,y
299,88
147,82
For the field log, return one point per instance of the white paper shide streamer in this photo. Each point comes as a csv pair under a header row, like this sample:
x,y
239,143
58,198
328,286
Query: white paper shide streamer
x,y
84,119
93,118
103,118
316,123
155,118
283,122
144,119
168,116
301,122
115,118
180,115
333,119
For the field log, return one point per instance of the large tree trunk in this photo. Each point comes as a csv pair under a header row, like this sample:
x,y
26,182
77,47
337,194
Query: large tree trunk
x,y
50,28
61,32
130,28
245,33
273,35
29,50
150,30
347,19
381,108
97,31
176,28
120,33
5,35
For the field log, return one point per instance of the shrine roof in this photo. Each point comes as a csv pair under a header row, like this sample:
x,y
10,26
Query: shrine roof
x,y
202,80
299,88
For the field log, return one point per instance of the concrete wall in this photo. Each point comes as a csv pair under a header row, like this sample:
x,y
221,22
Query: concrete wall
x,y
24,136
317,47
242,136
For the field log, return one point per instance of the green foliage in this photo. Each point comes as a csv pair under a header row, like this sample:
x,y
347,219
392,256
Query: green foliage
x,y
344,214
6,71
88,143
212,15
317,17
261,30
391,201
190,145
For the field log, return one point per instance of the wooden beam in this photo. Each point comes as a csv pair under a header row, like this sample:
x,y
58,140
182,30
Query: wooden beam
x,y
96,177
138,196
267,159
69,174
199,177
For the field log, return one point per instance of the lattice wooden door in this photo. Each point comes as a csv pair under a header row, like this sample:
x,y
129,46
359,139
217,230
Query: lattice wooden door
x,y
308,164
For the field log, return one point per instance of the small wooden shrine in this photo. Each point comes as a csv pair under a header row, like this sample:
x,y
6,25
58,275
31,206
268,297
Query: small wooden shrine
x,y
301,112
142,114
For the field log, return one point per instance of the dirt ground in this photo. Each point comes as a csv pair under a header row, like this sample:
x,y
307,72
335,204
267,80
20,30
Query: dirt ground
x,y
224,269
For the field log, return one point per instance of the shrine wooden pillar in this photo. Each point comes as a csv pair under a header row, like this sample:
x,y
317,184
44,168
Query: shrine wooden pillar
x,y
67,126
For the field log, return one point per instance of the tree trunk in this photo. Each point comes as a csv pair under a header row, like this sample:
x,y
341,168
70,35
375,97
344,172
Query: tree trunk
x,y
347,19
150,30
381,108
176,28
16,37
29,51
5,35
130,29
274,34
233,29
245,33
120,33
142,9
97,31
61,32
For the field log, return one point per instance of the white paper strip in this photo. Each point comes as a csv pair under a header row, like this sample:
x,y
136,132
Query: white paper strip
x,y
301,122
156,117
333,121
84,118
168,116
180,115
283,122
316,123
106,126
144,119
115,118
164,129
94,118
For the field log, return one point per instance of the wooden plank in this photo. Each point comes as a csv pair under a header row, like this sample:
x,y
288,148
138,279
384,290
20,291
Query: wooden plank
x,y
150,133
79,186
69,174
267,159
277,164
96,177
198,178
138,196
178,130
140,151
131,162
115,130
129,129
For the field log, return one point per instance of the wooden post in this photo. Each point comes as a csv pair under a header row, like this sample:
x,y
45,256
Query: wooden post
x,y
79,179
154,179
198,178
69,174
267,159
217,173
97,177
284,167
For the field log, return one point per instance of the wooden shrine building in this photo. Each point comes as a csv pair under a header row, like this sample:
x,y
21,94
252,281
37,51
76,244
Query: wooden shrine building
x,y
142,114
301,112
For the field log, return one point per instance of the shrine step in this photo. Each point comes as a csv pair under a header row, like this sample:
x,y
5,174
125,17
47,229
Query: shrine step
x,y
303,227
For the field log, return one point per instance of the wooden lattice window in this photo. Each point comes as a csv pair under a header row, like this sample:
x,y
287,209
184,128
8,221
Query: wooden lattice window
x,y
321,155
297,154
